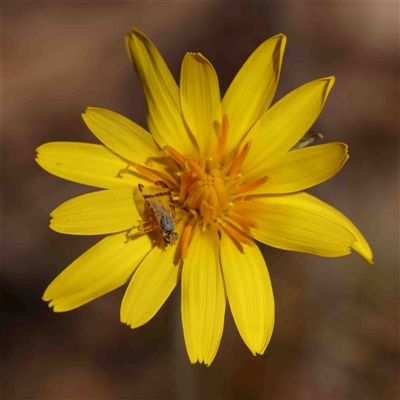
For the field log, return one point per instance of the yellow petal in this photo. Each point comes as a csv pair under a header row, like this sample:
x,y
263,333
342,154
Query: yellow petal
x,y
103,268
97,213
301,169
203,297
282,126
249,291
164,116
289,227
151,285
251,92
122,136
201,102
310,203
89,164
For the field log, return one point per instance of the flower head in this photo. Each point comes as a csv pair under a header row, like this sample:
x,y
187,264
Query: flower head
x,y
211,177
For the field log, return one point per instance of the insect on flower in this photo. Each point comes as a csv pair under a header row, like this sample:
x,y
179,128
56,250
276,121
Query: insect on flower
x,y
159,201
236,179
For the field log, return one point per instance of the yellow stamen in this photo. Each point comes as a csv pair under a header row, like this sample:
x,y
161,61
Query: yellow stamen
x,y
205,198
194,186
214,198
193,165
205,161
237,164
243,220
188,234
182,161
212,207
220,190
237,235
216,172
248,187
186,181
233,182
178,157
192,201
223,138
208,206
154,177
186,167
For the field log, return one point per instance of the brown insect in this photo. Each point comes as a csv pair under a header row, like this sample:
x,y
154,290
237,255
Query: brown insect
x,y
159,201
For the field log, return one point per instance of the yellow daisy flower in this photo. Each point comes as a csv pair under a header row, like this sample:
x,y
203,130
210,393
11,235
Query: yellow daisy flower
x,y
232,176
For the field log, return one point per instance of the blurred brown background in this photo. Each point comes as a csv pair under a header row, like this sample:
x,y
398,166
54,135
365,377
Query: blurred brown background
x,y
337,320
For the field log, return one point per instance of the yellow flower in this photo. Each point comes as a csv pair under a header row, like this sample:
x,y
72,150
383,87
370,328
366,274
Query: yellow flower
x,y
233,177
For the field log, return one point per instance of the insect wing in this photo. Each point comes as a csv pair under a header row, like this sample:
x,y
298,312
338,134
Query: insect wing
x,y
159,200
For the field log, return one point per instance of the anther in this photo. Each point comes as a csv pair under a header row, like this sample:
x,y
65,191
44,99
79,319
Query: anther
x,y
178,157
243,220
238,235
237,164
223,138
154,177
188,234
248,187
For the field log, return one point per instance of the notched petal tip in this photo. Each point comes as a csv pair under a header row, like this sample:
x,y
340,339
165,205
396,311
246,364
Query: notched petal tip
x,y
87,118
123,316
92,115
129,322
200,362
125,322
55,227
56,308
346,154
331,79
39,149
92,110
46,297
330,82
54,304
197,57
282,38
278,37
136,33
369,260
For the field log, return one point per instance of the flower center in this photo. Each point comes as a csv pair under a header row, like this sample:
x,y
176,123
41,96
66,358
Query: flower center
x,y
207,193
